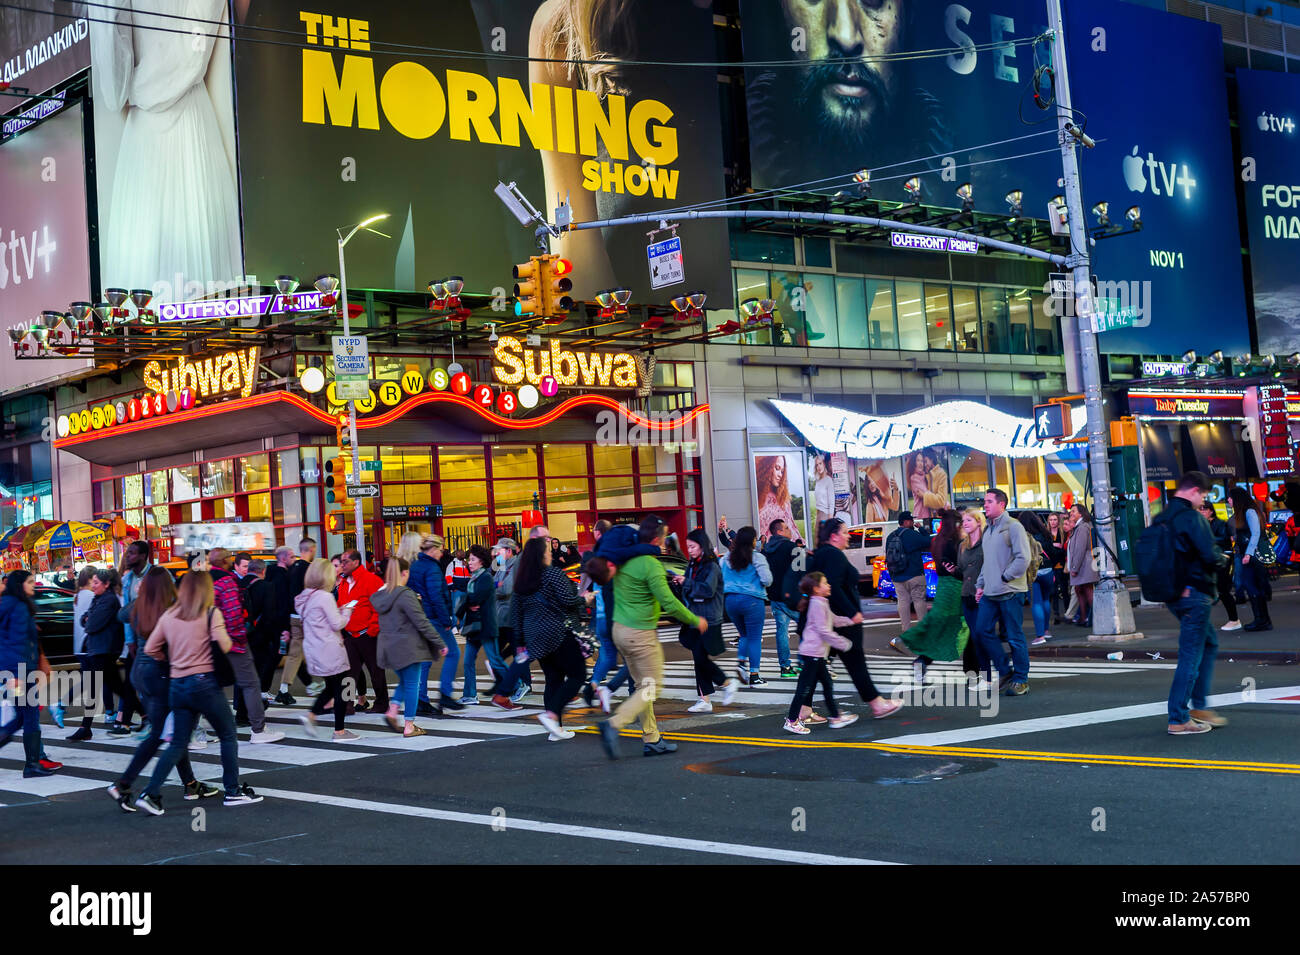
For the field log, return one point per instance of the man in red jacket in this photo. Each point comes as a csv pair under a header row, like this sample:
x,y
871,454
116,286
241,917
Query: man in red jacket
x,y
361,638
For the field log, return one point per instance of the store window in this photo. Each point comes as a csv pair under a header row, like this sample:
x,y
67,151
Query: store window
x,y
255,472
462,497
408,494
1046,327
791,311
515,496
613,493
514,461
405,464
1066,472
155,485
133,491
1029,483
658,490
938,317
461,463
567,493
185,483
966,318
218,478
564,459
911,316
612,459
1018,305
819,318
970,476
851,312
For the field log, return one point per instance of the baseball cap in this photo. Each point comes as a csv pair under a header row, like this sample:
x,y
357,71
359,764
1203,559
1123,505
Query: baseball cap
x,y
904,516
507,542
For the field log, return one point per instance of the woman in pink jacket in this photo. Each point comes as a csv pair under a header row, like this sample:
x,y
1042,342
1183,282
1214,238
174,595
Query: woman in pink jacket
x,y
322,646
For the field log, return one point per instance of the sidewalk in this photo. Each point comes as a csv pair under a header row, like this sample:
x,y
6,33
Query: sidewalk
x,y
1281,645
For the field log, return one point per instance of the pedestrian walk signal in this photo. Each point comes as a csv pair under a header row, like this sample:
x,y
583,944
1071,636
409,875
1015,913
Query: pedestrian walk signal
x,y
336,522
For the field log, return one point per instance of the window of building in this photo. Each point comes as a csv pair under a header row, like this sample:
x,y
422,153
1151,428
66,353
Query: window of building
x,y
218,477
966,318
938,317
969,471
461,463
462,497
819,320
911,316
612,459
882,328
614,493
406,463
567,493
255,472
514,461
1047,339
565,458
1018,304
994,313
1029,483
851,313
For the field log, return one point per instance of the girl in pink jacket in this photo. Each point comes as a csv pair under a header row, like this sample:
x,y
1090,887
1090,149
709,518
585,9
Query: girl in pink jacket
x,y
814,644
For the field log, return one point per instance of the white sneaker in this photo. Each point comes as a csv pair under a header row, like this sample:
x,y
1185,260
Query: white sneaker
x,y
266,736
729,692
1039,641
1231,625
561,735
703,706
555,728
602,692
308,721
316,688
198,741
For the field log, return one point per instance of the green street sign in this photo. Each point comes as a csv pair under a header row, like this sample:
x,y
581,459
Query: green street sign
x,y
372,465
1108,315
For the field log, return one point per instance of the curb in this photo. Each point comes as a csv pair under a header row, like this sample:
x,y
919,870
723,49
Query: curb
x,y
1278,657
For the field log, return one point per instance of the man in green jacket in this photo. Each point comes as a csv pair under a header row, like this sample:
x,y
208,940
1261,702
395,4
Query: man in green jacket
x,y
641,594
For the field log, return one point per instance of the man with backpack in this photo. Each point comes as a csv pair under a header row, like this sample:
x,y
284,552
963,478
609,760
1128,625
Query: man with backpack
x,y
904,550
1187,585
781,552
1000,592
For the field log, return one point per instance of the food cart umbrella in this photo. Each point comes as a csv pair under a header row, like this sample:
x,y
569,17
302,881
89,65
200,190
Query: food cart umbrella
x,y
69,534
21,538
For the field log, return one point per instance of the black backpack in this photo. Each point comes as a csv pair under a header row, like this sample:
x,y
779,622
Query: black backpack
x,y
895,554
790,593
1157,560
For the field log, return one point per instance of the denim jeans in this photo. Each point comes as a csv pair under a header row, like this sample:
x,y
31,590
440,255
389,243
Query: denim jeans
x,y
747,614
149,678
407,694
606,658
192,697
785,618
497,664
1197,646
1009,611
447,676
1040,596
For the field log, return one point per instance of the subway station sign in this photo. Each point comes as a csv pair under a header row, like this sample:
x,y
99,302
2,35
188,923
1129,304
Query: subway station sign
x,y
514,363
221,374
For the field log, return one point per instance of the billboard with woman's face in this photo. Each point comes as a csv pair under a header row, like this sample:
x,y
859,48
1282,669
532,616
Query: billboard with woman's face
x,y
882,495
926,482
780,492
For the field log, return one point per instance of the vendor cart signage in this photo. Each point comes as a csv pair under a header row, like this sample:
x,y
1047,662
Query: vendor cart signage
x,y
966,423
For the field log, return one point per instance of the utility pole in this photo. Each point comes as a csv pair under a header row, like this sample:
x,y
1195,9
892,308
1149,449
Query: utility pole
x,y
1112,614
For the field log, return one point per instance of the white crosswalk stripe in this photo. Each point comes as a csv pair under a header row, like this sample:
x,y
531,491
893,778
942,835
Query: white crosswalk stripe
x,y
94,765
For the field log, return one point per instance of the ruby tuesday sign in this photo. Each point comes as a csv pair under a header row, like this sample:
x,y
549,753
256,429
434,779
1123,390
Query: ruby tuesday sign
x,y
951,422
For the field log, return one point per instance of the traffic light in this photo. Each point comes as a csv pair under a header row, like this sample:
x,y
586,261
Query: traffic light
x,y
343,432
336,482
556,285
336,522
528,287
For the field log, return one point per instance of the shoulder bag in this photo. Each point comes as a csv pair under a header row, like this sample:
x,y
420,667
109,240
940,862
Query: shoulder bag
x,y
221,668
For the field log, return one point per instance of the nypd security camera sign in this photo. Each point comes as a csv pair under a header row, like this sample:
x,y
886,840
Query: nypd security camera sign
x,y
351,367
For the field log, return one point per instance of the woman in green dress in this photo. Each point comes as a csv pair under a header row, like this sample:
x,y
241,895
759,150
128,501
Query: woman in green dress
x,y
943,634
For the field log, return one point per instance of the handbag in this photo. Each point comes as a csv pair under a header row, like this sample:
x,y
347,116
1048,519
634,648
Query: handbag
x,y
221,668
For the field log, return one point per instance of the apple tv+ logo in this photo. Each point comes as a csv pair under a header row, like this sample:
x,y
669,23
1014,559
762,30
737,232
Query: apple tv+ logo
x,y
1171,175
1268,123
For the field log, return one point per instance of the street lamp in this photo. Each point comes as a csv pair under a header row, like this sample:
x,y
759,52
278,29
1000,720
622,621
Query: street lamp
x,y
347,331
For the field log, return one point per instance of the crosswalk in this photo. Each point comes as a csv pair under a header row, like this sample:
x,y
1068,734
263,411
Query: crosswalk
x,y
97,763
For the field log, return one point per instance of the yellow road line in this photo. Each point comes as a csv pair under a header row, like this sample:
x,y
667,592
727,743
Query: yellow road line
x,y
1112,759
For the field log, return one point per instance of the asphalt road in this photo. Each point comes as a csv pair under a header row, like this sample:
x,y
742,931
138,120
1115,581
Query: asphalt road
x,y
1092,780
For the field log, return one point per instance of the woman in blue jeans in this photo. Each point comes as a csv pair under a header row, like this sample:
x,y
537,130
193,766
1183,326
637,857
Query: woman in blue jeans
x,y
745,579
1040,588
407,643
182,640
149,678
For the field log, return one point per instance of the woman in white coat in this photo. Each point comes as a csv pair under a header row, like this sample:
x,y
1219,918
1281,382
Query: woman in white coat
x,y
322,645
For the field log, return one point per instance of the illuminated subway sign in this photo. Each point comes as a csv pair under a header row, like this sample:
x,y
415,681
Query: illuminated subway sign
x,y
513,363
220,374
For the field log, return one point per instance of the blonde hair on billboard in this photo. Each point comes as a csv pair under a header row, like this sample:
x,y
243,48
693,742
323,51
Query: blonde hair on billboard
x,y
584,31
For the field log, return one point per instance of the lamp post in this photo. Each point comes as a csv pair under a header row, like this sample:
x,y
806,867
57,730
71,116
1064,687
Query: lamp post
x,y
352,405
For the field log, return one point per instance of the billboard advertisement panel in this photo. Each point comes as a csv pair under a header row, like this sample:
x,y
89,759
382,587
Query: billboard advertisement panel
x,y
165,148
355,124
969,116
1268,105
42,43
44,250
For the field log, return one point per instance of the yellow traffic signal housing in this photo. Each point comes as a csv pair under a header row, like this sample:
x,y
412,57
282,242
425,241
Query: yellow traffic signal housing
x,y
556,285
529,287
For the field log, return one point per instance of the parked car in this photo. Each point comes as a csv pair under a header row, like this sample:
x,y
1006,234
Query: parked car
x,y
54,623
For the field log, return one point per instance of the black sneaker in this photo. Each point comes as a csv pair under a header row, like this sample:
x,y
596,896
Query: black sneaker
x,y
448,705
1018,688
588,694
609,738
425,708
81,735
789,673
200,790
284,699
757,680
122,796
243,796
660,748
119,729
150,804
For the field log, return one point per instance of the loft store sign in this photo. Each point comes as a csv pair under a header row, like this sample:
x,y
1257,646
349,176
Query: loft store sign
x,y
220,374
967,423
513,363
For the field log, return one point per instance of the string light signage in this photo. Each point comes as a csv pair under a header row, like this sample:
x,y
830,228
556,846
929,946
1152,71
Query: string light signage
x,y
513,363
223,373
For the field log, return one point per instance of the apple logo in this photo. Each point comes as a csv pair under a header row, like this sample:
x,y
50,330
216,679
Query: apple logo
x,y
1134,177
1263,121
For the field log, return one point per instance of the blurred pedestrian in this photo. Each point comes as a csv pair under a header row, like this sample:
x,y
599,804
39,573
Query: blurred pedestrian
x,y
1248,534
322,646
407,643
816,640
942,634
20,661
745,579
430,585
702,593
1223,539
